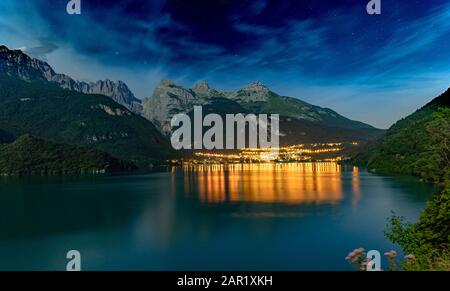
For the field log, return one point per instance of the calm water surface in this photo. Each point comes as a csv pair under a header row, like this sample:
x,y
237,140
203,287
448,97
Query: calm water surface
x,y
300,216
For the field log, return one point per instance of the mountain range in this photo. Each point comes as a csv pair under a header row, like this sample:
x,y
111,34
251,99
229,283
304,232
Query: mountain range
x,y
47,111
16,63
300,122
106,115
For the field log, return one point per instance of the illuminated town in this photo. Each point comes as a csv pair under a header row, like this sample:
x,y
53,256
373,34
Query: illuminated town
x,y
324,152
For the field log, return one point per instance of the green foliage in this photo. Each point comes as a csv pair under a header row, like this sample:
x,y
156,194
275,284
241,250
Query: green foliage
x,y
29,156
428,239
420,145
47,111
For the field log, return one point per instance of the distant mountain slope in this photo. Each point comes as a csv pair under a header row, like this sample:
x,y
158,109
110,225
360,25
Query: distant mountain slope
x,y
47,111
30,155
300,121
418,144
258,98
17,64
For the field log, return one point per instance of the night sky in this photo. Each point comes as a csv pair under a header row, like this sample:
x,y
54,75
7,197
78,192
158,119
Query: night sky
x,y
373,68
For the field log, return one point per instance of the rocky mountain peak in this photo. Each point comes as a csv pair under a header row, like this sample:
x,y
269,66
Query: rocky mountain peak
x,y
167,99
201,87
255,91
166,83
16,63
257,86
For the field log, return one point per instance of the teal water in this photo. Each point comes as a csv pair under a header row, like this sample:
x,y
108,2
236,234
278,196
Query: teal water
x,y
244,217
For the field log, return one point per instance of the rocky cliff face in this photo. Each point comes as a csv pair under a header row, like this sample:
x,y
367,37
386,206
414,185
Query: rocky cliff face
x,y
16,63
167,100
117,90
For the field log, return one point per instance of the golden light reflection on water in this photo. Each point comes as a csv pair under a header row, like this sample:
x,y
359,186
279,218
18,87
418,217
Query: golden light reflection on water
x,y
293,183
356,187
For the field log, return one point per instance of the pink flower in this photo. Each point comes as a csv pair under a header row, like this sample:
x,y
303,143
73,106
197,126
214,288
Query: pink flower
x,y
390,254
410,258
355,255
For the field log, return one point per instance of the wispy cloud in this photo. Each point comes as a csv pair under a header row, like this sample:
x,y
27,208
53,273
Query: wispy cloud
x,y
42,50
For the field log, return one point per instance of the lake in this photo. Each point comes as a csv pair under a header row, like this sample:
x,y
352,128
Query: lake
x,y
292,216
